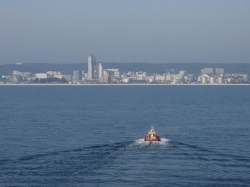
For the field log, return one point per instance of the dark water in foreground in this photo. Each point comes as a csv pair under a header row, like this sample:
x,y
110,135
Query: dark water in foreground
x,y
93,135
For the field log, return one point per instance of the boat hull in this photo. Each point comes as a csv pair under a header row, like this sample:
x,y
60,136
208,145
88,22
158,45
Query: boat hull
x,y
152,136
156,138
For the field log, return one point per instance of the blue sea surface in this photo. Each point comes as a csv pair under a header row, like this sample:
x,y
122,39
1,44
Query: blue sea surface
x,y
93,136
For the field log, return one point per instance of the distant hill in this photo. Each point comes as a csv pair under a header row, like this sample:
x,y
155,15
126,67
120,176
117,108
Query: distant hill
x,y
193,68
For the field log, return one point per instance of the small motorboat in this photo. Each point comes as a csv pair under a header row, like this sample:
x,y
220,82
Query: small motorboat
x,y
152,135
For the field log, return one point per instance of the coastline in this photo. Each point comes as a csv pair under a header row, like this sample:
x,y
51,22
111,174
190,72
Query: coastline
x,y
124,84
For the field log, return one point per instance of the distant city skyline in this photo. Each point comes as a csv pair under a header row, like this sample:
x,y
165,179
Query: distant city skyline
x,y
173,31
210,76
97,75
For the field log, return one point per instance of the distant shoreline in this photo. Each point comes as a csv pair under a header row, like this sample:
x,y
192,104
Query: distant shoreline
x,y
124,84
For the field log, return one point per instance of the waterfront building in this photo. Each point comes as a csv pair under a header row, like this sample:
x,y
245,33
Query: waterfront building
x,y
151,78
105,80
59,76
207,71
105,73
219,70
91,67
174,78
203,79
100,70
220,80
244,77
183,72
65,76
16,79
20,73
53,73
125,80
168,77
160,78
130,73
41,75
141,76
114,72
77,75
211,80
85,75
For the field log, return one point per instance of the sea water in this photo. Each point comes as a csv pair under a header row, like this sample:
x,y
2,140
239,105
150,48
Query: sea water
x,y
94,136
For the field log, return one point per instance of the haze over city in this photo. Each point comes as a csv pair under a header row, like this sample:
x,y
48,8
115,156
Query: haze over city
x,y
125,93
63,31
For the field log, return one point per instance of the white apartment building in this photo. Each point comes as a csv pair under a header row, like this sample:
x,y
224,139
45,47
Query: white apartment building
x,y
219,70
41,75
207,71
91,67
160,78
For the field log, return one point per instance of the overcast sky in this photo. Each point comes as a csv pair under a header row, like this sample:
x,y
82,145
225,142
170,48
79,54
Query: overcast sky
x,y
154,31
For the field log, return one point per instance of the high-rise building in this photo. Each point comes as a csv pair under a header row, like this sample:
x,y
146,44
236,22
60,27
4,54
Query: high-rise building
x,y
91,67
100,69
77,75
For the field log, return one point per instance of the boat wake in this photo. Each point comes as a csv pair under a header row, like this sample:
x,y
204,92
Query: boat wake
x,y
164,141
86,160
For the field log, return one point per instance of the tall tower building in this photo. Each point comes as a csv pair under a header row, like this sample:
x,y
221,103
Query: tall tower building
x,y
100,70
91,67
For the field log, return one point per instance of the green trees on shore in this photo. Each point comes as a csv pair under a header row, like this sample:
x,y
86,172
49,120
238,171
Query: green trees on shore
x,y
50,80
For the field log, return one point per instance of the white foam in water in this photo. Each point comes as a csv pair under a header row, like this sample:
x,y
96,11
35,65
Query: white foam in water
x,y
164,141
141,143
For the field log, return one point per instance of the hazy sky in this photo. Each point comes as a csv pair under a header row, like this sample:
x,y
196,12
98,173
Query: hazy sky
x,y
155,31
